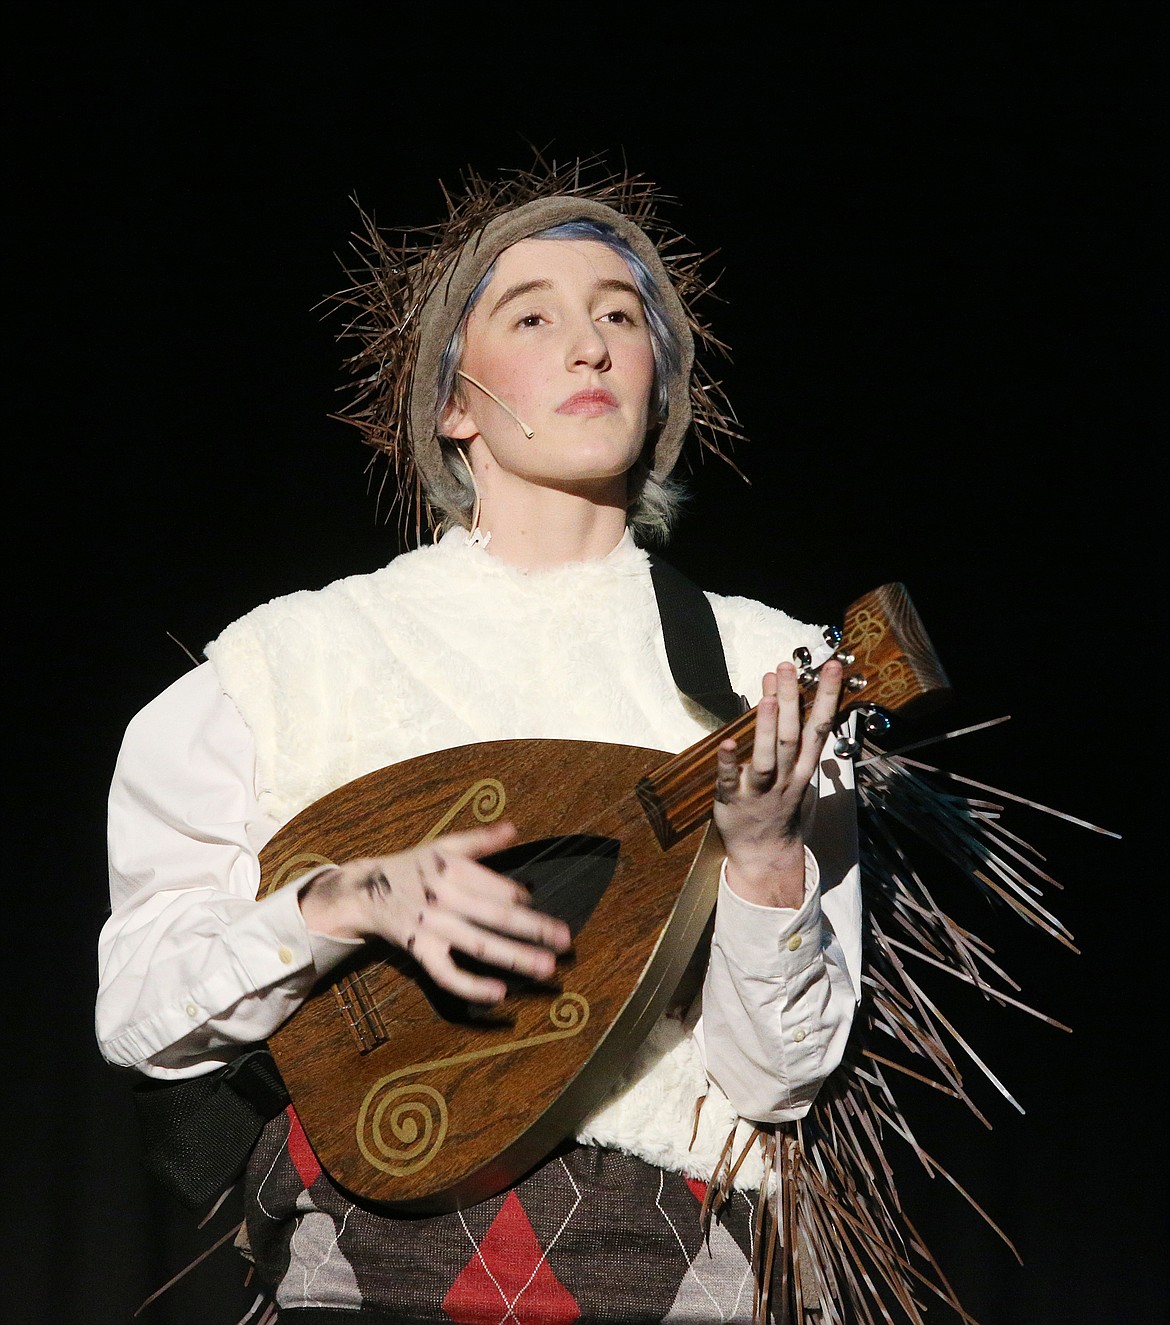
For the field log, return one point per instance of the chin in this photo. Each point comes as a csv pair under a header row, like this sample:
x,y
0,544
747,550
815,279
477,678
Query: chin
x,y
604,462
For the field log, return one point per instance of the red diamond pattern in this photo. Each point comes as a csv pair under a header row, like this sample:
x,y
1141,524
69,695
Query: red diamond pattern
x,y
508,1278
306,1163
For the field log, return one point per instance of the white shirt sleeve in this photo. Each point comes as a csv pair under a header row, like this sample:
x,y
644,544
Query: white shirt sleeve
x,y
782,985
191,968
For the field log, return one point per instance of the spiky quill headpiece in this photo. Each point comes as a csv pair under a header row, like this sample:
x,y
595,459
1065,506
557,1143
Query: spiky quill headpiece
x,y
407,298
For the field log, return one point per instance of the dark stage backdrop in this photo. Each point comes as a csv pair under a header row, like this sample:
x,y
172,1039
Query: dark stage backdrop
x,y
937,231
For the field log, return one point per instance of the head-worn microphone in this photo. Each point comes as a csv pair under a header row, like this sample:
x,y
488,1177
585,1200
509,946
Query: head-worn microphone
x,y
524,428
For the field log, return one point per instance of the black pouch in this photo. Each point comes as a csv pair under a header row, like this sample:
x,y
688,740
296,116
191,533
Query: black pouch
x,y
197,1133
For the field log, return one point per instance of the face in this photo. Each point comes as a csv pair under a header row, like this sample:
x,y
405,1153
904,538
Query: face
x,y
559,336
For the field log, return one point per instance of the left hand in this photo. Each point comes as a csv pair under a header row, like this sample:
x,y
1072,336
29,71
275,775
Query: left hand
x,y
757,806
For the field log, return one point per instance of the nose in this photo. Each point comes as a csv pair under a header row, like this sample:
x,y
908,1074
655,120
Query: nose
x,y
587,347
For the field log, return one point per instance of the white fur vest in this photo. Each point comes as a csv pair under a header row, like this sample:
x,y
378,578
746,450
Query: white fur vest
x,y
448,645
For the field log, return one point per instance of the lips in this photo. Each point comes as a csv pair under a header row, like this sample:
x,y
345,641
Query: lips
x,y
594,400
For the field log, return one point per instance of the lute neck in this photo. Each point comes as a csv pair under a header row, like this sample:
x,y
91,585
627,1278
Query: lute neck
x,y
679,795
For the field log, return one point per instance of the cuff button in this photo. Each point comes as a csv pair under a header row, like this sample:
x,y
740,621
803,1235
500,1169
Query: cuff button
x,y
794,942
286,955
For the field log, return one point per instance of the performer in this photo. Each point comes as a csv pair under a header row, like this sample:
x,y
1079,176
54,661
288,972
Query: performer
x,y
529,369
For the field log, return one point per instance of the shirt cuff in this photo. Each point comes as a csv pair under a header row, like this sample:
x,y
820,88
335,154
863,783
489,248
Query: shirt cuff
x,y
275,961
754,937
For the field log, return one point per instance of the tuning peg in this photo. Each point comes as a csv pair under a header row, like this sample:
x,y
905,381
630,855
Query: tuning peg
x,y
832,636
806,673
871,720
876,720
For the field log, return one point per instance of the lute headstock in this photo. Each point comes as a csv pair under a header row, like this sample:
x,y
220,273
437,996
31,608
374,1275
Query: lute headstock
x,y
890,663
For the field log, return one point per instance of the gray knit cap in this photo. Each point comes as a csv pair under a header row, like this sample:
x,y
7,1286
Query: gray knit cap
x,y
407,297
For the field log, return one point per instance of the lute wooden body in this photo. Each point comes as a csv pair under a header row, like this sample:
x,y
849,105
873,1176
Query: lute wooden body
x,y
415,1101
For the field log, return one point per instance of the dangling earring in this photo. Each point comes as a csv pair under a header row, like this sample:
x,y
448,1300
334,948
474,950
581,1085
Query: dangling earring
x,y
474,536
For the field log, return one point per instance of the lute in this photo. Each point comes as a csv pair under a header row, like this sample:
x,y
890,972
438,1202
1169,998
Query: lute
x,y
418,1102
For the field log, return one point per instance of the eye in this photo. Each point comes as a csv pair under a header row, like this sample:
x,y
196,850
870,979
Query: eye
x,y
620,317
530,320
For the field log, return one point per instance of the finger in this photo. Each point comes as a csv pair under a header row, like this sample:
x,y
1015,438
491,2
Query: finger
x,y
763,761
475,842
470,889
727,772
527,959
458,881
472,897
470,845
437,961
788,714
819,722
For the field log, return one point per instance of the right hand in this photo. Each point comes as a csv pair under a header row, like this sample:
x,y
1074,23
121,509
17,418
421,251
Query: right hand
x,y
435,900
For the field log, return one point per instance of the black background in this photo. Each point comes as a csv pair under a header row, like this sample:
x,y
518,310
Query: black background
x,y
942,283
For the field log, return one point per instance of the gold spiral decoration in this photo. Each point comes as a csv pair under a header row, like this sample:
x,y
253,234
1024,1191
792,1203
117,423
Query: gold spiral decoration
x,y
569,1012
486,798
401,1128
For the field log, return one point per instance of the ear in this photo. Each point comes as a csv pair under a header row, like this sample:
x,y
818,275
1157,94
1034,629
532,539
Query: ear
x,y
456,421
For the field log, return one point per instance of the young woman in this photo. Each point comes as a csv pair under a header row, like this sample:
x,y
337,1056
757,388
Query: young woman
x,y
532,370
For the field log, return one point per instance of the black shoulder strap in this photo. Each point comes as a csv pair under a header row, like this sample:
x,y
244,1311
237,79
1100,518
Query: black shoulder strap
x,y
693,647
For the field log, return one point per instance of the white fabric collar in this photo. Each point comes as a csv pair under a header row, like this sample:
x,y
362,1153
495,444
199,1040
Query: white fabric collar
x,y
626,554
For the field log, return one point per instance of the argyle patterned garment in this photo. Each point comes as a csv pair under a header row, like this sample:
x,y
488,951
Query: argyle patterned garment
x,y
592,1235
